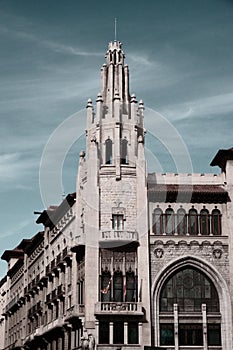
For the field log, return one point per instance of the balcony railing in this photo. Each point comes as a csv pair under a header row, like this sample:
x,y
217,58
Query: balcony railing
x,y
75,311
119,308
118,235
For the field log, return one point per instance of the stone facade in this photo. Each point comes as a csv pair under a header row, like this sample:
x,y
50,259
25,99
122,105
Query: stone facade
x,y
131,260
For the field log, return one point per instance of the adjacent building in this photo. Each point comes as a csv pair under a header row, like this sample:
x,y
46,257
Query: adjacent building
x,y
130,260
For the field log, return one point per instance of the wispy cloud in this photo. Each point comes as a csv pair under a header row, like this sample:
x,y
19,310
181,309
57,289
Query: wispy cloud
x,y
13,167
213,105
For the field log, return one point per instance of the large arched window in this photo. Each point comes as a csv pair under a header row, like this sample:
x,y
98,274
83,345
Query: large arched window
x,y
181,222
193,222
204,222
108,151
157,221
187,294
169,221
216,226
189,288
124,151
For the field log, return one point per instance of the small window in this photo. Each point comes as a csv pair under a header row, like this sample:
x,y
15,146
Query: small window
x,y
190,334
124,151
117,222
181,222
157,222
118,333
204,222
167,334
193,222
108,151
104,332
132,333
216,222
214,334
169,221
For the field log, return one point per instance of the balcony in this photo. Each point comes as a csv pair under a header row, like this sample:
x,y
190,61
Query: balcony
x,y
119,308
75,311
118,237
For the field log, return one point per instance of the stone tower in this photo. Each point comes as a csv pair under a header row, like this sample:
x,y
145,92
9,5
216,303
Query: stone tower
x,y
111,213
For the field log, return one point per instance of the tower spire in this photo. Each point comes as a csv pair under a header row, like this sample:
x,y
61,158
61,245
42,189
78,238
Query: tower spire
x,y
115,37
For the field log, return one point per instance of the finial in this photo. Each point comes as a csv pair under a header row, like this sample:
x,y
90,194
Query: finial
x,y
115,29
89,103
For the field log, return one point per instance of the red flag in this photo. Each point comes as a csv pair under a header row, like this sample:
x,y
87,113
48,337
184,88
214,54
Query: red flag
x,y
106,289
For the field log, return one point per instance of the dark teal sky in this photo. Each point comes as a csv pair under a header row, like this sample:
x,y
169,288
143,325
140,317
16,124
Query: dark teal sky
x,y
180,54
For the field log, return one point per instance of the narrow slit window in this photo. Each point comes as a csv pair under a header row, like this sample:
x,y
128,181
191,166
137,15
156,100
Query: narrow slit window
x,y
124,151
108,151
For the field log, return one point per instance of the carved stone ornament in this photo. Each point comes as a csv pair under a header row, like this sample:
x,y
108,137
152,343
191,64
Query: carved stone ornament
x,y
217,253
158,253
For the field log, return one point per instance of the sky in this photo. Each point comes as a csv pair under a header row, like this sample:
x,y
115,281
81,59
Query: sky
x,y
180,55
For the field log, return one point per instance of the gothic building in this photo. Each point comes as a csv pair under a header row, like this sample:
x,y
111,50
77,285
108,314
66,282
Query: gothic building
x,y
130,260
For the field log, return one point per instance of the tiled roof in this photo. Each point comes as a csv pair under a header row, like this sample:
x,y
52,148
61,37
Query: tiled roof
x,y
187,193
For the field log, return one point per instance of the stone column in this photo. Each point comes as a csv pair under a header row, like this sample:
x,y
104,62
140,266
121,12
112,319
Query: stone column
x,y
176,326
97,331
125,332
140,333
204,322
59,343
110,332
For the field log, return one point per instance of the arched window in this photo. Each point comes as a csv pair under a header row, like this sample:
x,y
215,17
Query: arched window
x,y
181,222
157,222
169,221
189,288
204,222
130,286
124,151
193,222
118,286
108,151
216,225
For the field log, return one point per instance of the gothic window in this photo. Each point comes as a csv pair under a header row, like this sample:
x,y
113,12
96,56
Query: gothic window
x,y
108,151
189,289
204,222
157,221
169,221
181,222
216,222
132,333
124,151
193,222
117,222
118,286
130,287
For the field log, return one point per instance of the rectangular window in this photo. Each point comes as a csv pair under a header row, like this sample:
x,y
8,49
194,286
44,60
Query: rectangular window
x,y
214,334
117,222
132,333
190,334
118,333
167,334
104,332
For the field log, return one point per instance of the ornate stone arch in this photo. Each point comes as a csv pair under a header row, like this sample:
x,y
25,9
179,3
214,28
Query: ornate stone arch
x,y
214,275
